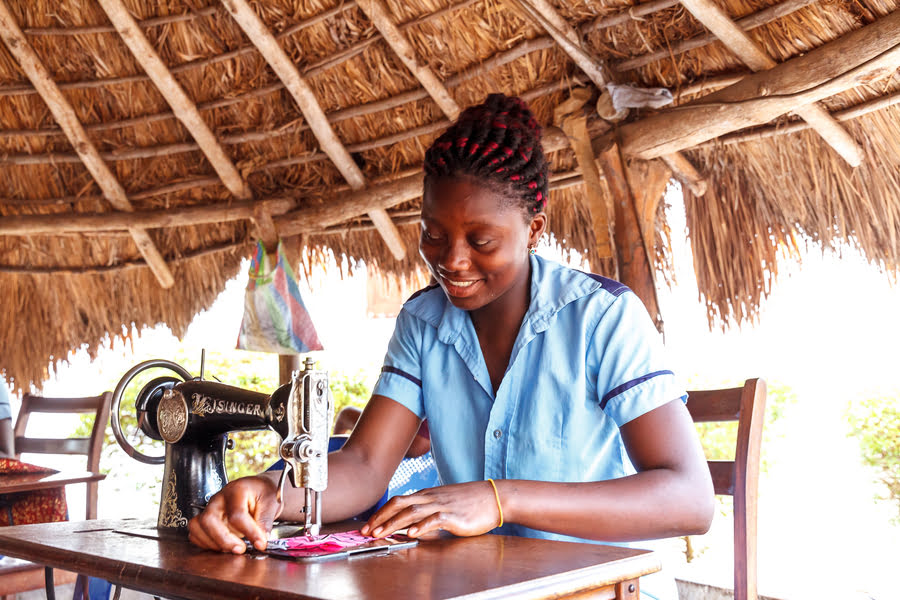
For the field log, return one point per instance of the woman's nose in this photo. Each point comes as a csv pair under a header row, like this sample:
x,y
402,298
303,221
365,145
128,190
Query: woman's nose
x,y
455,256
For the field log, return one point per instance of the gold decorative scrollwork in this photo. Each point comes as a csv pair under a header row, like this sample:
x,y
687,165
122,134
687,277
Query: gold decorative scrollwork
x,y
171,516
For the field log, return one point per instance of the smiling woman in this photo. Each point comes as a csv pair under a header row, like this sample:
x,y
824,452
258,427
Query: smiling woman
x,y
552,410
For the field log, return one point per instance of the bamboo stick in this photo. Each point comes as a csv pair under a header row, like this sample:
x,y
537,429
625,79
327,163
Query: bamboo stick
x,y
150,219
65,115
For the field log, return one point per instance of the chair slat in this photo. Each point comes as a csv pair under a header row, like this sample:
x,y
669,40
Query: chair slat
x,y
722,472
53,446
64,405
715,405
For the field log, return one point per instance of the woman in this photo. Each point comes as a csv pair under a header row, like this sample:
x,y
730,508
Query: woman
x,y
551,411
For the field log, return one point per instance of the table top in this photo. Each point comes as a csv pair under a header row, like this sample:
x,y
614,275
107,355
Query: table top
x,y
11,483
134,554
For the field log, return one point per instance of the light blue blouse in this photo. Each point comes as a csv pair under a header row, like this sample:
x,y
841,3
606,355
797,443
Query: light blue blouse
x,y
5,410
587,360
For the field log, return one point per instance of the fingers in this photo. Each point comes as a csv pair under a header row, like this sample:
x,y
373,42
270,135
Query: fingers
x,y
395,514
244,508
211,529
461,509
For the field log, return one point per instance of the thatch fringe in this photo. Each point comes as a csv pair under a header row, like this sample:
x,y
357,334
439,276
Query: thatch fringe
x,y
766,218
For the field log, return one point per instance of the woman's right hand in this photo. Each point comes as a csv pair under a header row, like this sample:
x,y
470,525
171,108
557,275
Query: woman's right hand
x,y
244,508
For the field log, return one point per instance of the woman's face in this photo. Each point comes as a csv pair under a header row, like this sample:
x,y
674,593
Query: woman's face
x,y
475,245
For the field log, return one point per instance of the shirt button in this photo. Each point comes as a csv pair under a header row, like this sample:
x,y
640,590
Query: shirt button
x,y
497,433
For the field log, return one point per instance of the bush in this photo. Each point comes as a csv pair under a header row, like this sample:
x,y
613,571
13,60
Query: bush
x,y
875,422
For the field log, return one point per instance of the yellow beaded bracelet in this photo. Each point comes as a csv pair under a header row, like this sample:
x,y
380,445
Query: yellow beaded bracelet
x,y
497,496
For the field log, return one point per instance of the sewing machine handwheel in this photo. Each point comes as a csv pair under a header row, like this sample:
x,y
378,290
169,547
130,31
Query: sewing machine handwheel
x,y
115,418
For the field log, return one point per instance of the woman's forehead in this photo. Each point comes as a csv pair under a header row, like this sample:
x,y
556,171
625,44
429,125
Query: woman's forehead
x,y
462,196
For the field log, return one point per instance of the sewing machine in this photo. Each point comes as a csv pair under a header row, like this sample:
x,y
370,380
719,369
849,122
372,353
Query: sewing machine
x,y
194,417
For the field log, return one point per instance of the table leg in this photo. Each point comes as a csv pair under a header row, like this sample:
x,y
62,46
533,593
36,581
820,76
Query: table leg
x,y
630,589
48,583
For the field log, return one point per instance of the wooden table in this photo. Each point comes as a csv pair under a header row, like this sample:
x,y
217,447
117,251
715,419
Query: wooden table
x,y
16,575
134,554
13,483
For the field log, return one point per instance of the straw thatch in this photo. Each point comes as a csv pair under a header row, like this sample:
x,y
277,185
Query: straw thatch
x,y
129,200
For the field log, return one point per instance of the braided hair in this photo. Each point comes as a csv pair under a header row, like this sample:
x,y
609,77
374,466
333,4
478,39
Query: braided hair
x,y
497,143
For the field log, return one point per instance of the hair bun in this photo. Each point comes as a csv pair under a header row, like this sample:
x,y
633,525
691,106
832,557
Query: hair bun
x,y
497,141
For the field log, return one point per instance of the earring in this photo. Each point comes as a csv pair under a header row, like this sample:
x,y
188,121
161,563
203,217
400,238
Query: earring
x,y
532,250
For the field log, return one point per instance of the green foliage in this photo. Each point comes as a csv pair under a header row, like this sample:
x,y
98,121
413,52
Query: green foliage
x,y
875,422
349,390
719,441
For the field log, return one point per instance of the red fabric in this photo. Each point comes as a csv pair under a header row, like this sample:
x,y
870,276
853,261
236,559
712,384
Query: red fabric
x,y
41,506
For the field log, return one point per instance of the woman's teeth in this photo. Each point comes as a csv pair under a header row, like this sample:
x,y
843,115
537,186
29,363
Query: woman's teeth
x,y
460,283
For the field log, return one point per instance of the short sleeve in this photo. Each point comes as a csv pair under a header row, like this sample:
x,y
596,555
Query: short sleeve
x,y
633,373
401,375
5,410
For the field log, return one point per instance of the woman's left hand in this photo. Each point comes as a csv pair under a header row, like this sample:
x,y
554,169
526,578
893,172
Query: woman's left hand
x,y
462,509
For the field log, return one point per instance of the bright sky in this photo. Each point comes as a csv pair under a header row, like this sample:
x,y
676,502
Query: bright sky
x,y
828,330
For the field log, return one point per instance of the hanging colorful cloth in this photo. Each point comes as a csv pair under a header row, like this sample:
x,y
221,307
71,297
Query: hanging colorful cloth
x,y
40,506
275,318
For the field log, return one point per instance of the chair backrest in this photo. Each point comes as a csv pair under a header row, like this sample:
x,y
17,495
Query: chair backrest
x,y
89,446
739,477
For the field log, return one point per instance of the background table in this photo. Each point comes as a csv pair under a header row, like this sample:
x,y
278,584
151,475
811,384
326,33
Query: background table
x,y
12,483
16,575
484,567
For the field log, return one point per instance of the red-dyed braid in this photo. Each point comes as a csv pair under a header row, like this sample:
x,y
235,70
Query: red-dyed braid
x,y
498,141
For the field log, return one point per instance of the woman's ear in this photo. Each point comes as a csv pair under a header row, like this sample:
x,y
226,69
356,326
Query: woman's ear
x,y
536,228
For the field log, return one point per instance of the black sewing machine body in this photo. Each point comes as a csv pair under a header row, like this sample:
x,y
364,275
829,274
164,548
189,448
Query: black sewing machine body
x,y
195,416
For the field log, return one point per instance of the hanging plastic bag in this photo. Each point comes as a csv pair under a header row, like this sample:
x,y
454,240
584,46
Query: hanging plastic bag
x,y
275,318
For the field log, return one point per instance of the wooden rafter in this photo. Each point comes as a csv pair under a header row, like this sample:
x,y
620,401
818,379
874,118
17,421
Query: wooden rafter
x,y
737,40
381,18
566,37
752,21
181,217
570,41
303,95
186,111
112,224
859,57
68,121
184,108
854,112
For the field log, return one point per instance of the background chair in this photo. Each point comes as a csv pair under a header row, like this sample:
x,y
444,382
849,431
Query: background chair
x,y
18,575
739,477
89,446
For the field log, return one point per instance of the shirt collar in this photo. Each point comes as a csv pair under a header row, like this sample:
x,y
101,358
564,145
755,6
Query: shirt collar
x,y
553,286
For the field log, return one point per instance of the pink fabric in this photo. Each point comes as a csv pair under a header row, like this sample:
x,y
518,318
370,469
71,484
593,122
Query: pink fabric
x,y
309,545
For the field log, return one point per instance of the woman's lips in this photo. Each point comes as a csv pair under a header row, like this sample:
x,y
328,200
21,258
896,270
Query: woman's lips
x,y
459,287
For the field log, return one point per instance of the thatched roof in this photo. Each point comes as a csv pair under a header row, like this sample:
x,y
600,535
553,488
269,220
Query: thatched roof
x,y
147,145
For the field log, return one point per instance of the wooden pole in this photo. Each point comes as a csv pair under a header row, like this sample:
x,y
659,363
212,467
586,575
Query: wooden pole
x,y
635,268
65,115
302,93
857,58
735,39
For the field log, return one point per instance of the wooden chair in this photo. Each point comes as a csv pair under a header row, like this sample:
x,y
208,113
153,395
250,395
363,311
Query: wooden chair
x,y
20,576
89,446
739,477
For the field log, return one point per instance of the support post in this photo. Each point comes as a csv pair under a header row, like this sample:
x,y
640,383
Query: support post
x,y
635,268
